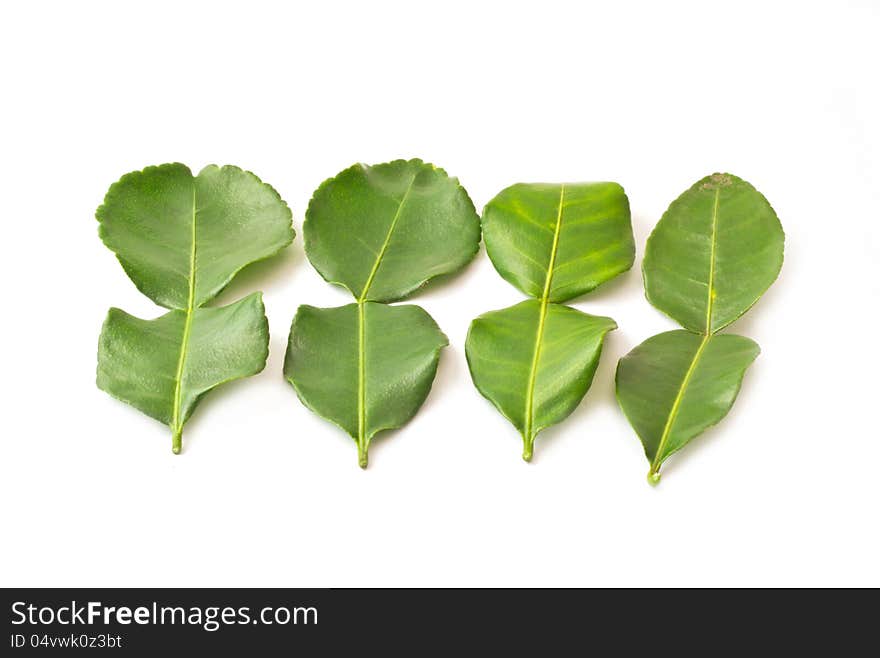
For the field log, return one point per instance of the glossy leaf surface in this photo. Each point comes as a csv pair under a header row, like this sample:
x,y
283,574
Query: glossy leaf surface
x,y
568,238
676,384
181,239
535,364
535,361
366,367
382,231
713,253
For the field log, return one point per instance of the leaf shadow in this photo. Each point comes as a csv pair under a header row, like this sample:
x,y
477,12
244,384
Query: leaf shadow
x,y
442,282
191,433
216,396
749,322
600,395
447,377
264,275
711,434
632,278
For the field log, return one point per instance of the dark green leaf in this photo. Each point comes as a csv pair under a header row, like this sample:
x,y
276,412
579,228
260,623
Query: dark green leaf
x,y
713,253
383,231
366,367
535,382
675,385
181,239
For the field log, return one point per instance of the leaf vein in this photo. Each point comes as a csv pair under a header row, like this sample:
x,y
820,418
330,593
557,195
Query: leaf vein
x,y
176,420
385,244
539,337
676,405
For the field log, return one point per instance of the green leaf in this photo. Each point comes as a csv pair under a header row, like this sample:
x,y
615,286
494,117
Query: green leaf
x,y
676,384
366,367
181,239
139,360
711,256
383,231
713,253
579,232
535,362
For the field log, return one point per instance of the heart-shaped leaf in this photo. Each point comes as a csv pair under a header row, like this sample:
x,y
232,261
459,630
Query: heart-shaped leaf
x,y
713,253
381,232
181,239
532,388
535,361
366,367
710,257
675,385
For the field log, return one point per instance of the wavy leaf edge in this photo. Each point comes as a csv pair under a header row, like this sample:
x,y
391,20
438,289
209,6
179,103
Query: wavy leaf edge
x,y
117,188
322,188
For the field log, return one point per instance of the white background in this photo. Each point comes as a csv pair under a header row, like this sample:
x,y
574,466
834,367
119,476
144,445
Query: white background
x,y
652,95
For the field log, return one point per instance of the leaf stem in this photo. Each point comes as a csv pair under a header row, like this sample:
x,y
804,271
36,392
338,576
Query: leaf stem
x,y
528,447
362,453
176,441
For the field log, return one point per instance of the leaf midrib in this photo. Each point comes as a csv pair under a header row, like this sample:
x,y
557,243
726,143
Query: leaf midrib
x,y
362,394
710,303
539,336
707,334
676,405
361,300
176,420
372,275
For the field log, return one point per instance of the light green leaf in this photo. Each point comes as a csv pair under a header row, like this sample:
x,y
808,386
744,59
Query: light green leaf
x,y
567,238
383,231
366,367
181,239
138,360
535,362
676,384
713,253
